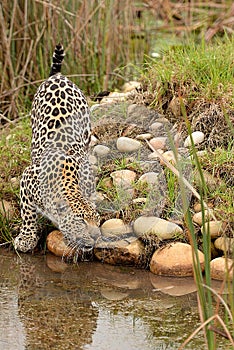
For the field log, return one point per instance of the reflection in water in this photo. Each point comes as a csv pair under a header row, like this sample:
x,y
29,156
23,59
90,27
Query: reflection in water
x,y
47,304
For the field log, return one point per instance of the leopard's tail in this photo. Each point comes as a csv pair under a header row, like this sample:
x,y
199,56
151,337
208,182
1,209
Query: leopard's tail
x,y
58,57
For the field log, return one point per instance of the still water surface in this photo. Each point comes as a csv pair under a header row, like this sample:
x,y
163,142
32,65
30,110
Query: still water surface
x,y
47,304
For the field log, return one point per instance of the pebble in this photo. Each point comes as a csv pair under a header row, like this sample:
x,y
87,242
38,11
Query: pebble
x,y
114,227
226,244
155,126
158,142
92,159
216,228
221,267
150,178
101,150
175,259
6,209
197,217
197,206
123,178
139,200
197,136
163,229
126,144
143,137
170,157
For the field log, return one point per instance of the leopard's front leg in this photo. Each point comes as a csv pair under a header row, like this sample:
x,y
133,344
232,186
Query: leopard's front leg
x,y
29,232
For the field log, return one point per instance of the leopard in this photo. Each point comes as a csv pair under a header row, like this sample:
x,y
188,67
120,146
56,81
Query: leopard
x,y
59,182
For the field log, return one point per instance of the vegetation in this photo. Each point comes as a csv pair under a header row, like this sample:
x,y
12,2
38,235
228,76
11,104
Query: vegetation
x,y
107,42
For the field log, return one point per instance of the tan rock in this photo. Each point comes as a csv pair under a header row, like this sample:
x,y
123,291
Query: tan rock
x,y
101,150
216,228
126,144
143,137
150,178
123,178
197,136
56,245
197,206
163,229
197,218
226,244
158,142
175,259
221,267
114,227
131,86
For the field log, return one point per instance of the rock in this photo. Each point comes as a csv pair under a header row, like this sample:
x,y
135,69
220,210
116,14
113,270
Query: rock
x,y
173,286
55,263
178,139
175,106
101,150
197,206
155,126
216,228
221,267
158,142
92,159
175,259
226,244
7,210
143,137
115,97
197,218
151,178
15,182
126,144
170,157
93,141
129,251
197,136
153,225
56,245
139,200
131,86
107,183
154,155
114,227
123,178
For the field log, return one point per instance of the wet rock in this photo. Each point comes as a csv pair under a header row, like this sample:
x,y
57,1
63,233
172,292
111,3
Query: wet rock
x,y
221,267
111,294
225,244
216,228
129,251
55,263
159,142
101,150
114,227
7,210
197,218
197,136
173,286
163,229
126,144
175,259
56,245
143,137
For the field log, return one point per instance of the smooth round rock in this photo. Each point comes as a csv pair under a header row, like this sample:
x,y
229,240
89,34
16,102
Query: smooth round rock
x,y
155,126
175,259
56,245
150,178
170,157
216,228
101,150
114,227
158,142
163,229
126,144
123,178
197,217
225,244
197,136
143,137
221,267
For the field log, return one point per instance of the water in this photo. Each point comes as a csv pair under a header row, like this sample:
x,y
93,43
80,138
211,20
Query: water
x,y
47,304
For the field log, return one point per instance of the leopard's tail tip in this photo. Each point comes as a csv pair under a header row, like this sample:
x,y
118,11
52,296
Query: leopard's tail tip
x,y
58,57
